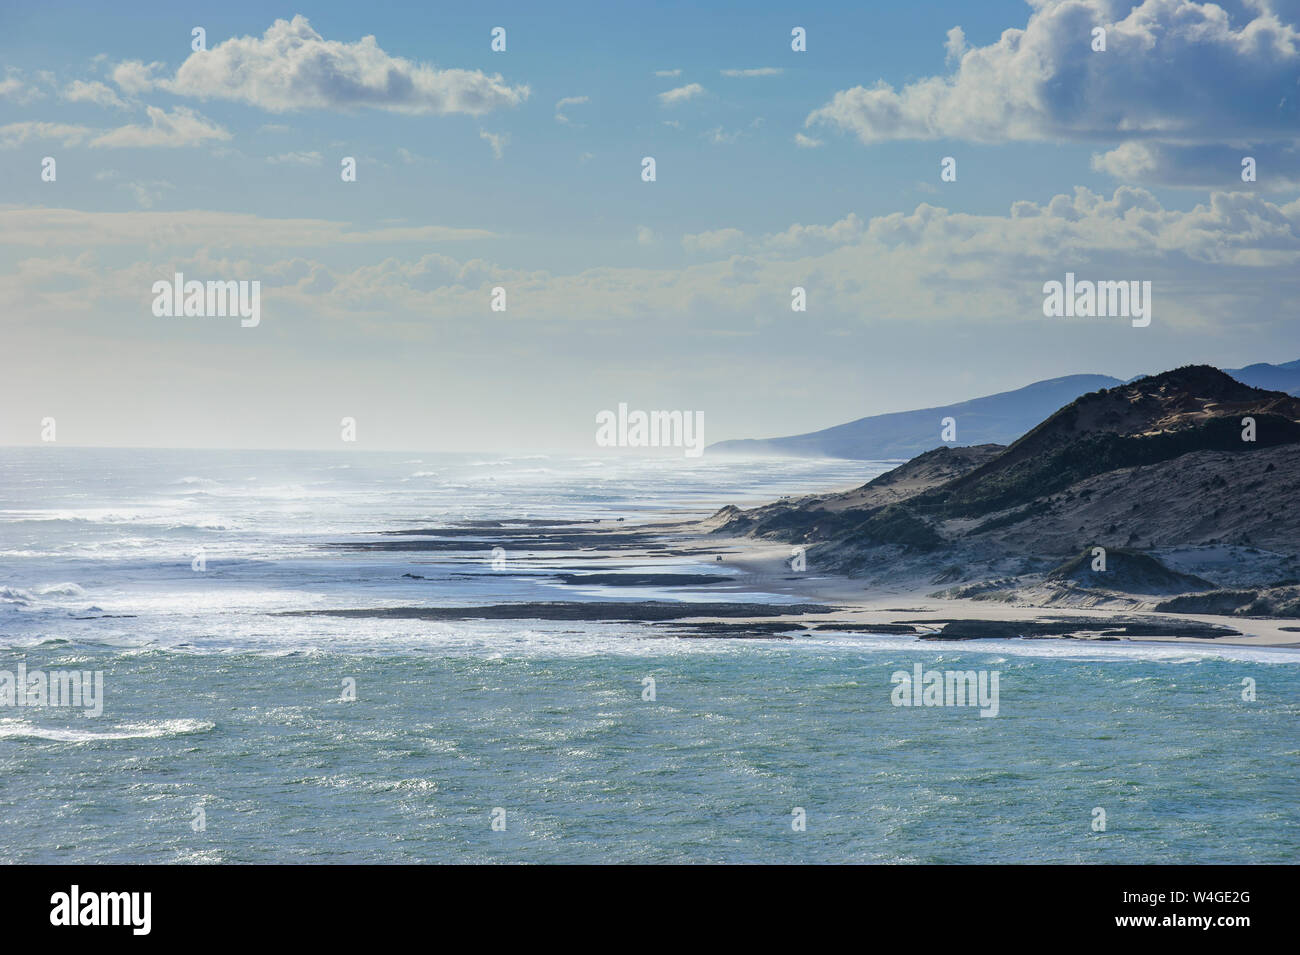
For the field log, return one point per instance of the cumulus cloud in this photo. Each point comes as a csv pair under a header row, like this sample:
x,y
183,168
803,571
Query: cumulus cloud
x,y
181,127
681,94
806,142
665,74
292,67
1196,166
1174,71
955,45
760,71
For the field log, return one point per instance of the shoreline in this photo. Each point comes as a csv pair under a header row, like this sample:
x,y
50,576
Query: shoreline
x,y
761,562
615,555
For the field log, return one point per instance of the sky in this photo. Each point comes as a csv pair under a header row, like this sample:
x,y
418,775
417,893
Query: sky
x,y
522,169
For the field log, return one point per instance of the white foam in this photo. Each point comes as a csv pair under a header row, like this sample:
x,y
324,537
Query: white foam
x,y
21,729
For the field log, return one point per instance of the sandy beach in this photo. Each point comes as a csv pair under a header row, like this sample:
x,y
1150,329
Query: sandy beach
x,y
767,566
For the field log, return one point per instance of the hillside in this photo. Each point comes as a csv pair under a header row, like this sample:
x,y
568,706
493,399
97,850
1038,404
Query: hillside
x,y
1154,470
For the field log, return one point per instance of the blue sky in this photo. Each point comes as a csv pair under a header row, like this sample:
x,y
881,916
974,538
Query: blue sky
x,y
522,170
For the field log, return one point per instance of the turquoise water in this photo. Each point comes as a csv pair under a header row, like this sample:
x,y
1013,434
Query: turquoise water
x,y
587,771
212,702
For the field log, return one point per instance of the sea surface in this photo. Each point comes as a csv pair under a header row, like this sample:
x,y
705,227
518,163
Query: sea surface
x,y
227,735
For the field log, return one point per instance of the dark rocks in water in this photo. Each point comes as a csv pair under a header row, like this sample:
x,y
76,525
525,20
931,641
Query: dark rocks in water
x,y
867,627
762,630
645,580
983,630
610,610
1106,627
531,541
506,524
1128,571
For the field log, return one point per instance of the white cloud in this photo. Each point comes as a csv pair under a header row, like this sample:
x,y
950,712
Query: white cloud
x,y
565,102
681,94
147,193
1230,264
15,134
93,91
760,71
181,127
719,136
292,67
498,142
296,159
796,237
666,74
14,88
134,77
1174,71
1198,166
646,236
72,228
714,241
955,45
806,142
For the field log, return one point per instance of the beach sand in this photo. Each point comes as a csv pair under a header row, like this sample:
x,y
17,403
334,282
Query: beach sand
x,y
766,566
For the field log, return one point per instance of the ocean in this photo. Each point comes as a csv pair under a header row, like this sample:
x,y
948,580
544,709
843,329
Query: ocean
x,y
229,734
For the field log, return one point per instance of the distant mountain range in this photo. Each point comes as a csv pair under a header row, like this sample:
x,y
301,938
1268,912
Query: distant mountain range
x,y
994,419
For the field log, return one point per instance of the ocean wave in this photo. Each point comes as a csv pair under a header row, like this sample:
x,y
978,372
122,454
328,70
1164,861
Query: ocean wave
x,y
14,595
26,598
22,729
67,589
